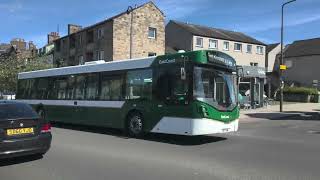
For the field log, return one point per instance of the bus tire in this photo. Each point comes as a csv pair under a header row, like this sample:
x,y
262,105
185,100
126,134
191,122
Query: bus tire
x,y
135,124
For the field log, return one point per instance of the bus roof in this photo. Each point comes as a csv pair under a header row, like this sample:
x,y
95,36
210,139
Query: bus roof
x,y
201,56
107,66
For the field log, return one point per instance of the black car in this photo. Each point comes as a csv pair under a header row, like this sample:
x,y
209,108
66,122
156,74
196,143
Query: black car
x,y
22,131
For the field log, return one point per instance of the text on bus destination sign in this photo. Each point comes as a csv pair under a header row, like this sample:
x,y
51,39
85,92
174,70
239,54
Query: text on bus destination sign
x,y
215,58
167,61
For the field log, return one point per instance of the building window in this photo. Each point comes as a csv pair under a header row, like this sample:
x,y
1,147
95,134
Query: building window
x,y
151,54
101,55
259,49
72,43
58,45
249,48
226,45
152,32
89,56
81,60
253,64
80,39
213,44
199,42
89,36
100,33
237,47
64,43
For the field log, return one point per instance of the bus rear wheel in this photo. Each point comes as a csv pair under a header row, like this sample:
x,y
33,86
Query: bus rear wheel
x,y
135,124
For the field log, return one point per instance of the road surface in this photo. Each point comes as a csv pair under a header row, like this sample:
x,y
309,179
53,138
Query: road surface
x,y
263,149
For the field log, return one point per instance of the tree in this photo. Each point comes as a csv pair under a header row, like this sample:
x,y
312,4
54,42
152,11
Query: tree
x,y
12,65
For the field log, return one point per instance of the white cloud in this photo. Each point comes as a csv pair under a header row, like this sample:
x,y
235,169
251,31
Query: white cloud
x,y
296,20
11,7
179,8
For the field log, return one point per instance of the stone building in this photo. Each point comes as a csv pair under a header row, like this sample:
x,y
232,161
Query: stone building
x,y
20,48
135,33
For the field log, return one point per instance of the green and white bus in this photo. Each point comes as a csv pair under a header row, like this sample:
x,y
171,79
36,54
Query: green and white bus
x,y
189,93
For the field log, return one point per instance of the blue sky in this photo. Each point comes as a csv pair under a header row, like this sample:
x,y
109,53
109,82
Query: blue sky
x,y
33,19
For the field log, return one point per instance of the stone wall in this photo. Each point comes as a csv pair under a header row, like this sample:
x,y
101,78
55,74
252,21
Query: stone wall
x,y
143,18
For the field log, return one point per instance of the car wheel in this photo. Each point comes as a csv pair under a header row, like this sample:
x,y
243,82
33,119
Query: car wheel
x,y
135,124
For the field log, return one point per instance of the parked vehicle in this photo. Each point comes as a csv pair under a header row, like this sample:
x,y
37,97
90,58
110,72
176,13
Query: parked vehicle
x,y
22,131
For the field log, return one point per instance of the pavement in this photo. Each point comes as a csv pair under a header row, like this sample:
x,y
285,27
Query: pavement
x,y
273,111
286,148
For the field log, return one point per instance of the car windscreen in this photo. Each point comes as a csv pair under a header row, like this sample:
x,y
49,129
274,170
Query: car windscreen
x,y
16,111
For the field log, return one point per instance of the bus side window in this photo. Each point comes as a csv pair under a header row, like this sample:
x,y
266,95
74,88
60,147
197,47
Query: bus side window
x,y
22,84
139,84
42,89
92,87
79,87
163,87
70,87
61,87
33,88
111,88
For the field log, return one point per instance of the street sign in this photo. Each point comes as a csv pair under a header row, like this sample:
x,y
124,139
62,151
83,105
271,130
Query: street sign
x,y
283,67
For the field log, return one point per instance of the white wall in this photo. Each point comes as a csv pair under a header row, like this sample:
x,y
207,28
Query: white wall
x,y
242,57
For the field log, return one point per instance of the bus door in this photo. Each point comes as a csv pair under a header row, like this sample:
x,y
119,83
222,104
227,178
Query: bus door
x,y
171,96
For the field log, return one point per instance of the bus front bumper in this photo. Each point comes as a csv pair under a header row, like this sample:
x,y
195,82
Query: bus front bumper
x,y
193,127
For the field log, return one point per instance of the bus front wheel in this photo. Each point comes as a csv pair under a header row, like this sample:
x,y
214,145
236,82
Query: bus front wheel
x,y
135,124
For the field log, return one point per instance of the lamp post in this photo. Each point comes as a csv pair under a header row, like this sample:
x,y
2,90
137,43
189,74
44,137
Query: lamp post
x,y
281,59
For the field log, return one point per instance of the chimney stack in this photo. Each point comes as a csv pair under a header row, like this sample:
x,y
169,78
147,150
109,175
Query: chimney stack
x,y
19,44
31,45
73,28
53,36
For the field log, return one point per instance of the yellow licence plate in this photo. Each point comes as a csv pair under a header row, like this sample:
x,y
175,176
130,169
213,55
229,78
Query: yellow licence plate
x,y
20,131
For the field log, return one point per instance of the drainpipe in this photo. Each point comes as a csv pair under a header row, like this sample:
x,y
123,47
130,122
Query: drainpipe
x,y
130,11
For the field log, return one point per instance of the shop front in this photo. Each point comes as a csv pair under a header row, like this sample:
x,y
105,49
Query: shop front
x,y
251,85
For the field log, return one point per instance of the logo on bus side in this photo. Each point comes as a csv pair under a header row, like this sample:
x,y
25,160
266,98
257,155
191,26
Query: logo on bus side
x,y
167,61
225,117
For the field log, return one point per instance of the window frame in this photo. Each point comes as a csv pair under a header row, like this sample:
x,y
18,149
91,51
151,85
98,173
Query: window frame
x,y
249,45
154,32
262,49
216,43
100,33
235,45
197,45
226,42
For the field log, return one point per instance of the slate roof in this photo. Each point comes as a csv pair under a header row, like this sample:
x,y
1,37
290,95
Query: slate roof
x,y
112,18
270,47
303,48
217,33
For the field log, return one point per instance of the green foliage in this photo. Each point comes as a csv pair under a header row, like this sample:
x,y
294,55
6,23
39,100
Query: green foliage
x,y
11,66
300,90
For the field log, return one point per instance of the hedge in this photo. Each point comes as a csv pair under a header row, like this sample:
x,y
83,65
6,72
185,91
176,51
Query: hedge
x,y
300,90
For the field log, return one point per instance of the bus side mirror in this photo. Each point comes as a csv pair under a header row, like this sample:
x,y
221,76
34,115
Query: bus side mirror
x,y
183,73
